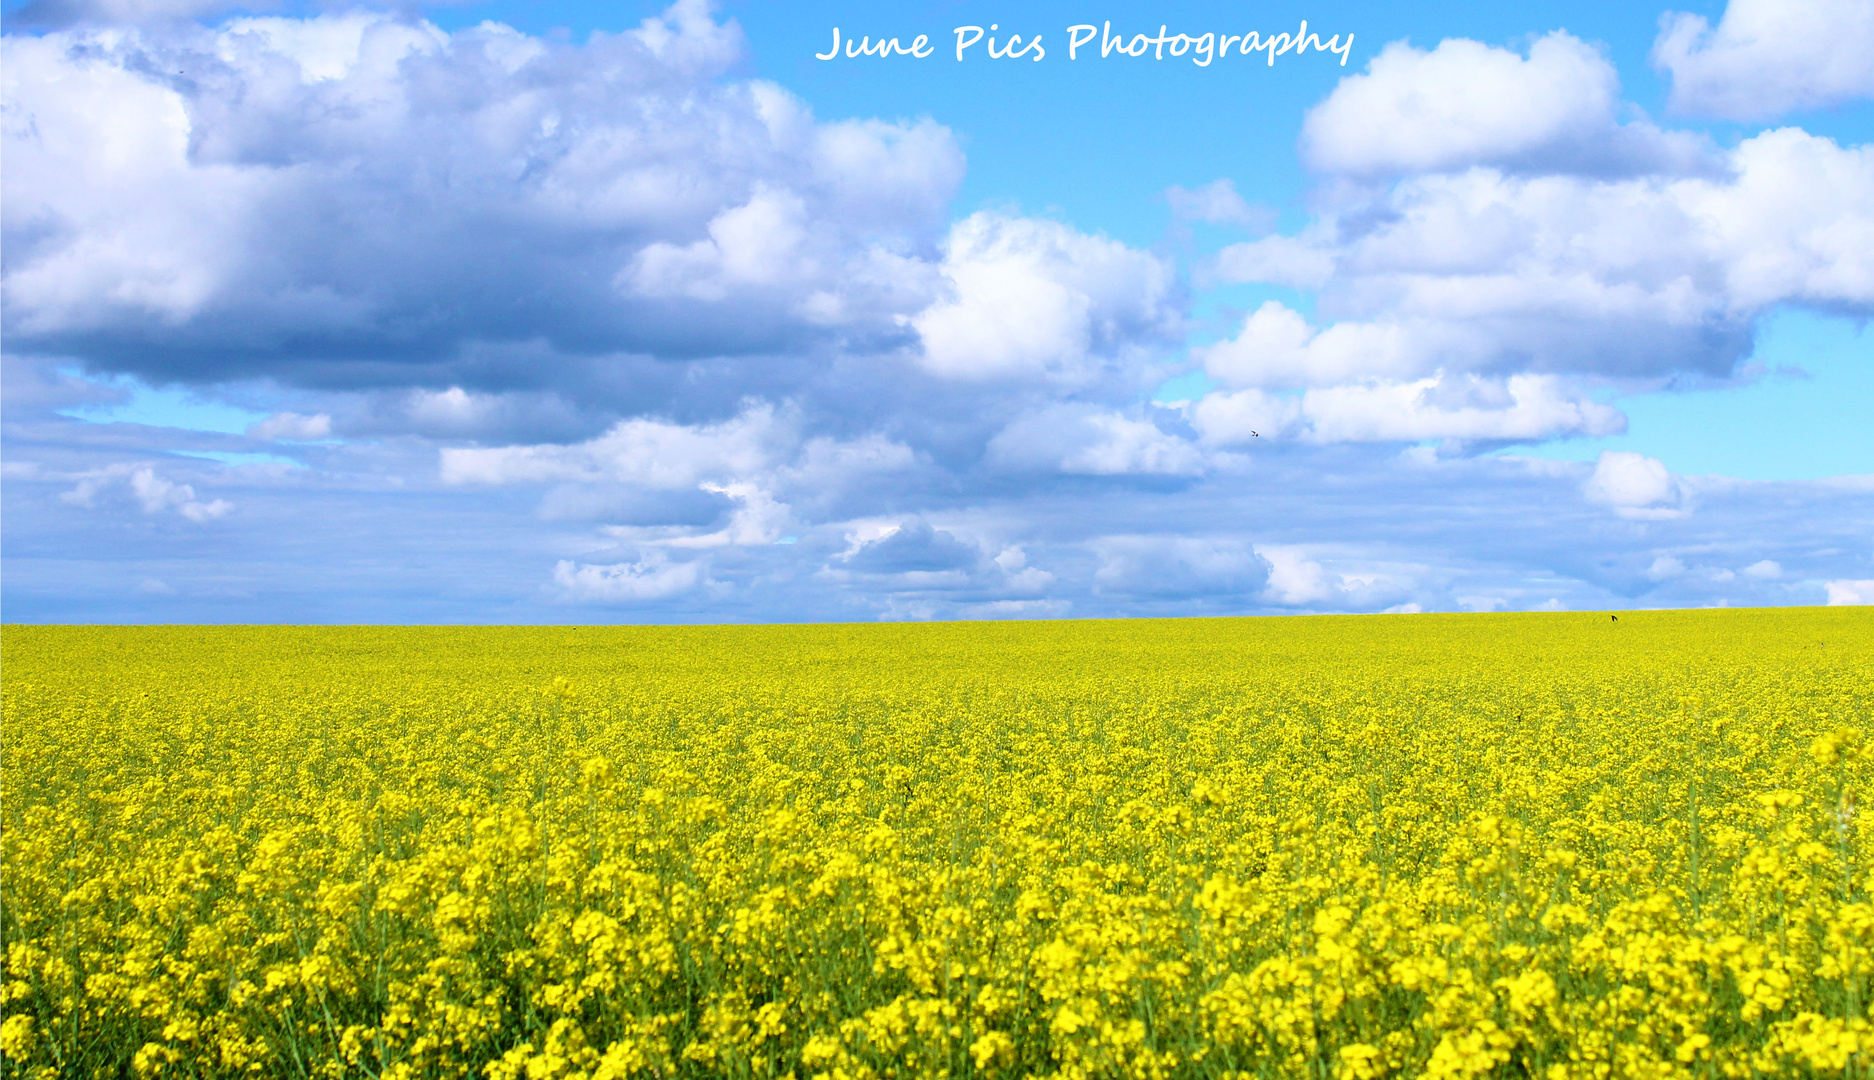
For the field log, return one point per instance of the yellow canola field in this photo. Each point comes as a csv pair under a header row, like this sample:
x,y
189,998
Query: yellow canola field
x,y
1546,845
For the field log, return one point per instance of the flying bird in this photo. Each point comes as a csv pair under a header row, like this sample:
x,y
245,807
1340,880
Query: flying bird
x,y
1257,434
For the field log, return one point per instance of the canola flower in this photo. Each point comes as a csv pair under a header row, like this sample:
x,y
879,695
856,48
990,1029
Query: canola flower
x,y
1340,847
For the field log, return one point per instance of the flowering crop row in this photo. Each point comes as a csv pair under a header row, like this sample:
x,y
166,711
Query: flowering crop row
x,y
1439,846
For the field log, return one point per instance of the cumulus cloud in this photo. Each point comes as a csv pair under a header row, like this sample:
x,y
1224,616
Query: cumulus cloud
x,y
741,361
1767,57
1295,579
360,198
1635,486
1637,278
647,452
1218,204
658,484
293,427
1796,225
1277,348
1665,567
1033,299
1463,408
652,577
913,558
1235,574
1846,592
1506,244
912,547
1299,578
755,516
515,242
1465,103
156,494
1087,440
152,493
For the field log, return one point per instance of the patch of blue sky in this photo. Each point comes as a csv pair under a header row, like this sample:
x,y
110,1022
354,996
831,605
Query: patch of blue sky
x,y
1217,313
1186,387
168,407
1805,417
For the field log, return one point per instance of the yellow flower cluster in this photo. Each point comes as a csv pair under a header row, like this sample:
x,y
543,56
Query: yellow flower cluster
x,y
1551,846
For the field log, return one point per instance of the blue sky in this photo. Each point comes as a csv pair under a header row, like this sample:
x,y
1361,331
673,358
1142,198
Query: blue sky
x,y
571,312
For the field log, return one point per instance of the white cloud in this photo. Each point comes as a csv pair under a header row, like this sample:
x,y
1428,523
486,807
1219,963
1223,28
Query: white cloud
x,y
1295,580
1845,592
1277,348
306,181
1031,299
1635,486
1490,272
733,483
705,324
1466,103
1126,446
1031,579
1305,261
758,518
1796,223
1763,570
292,426
1441,406
826,464
860,533
651,453
1520,408
1090,441
153,493
911,556
454,407
1768,57
1218,204
651,577
1225,417
1299,578
1665,567
759,243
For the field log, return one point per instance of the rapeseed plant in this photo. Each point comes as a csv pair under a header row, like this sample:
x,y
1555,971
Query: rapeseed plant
x,y
1339,847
